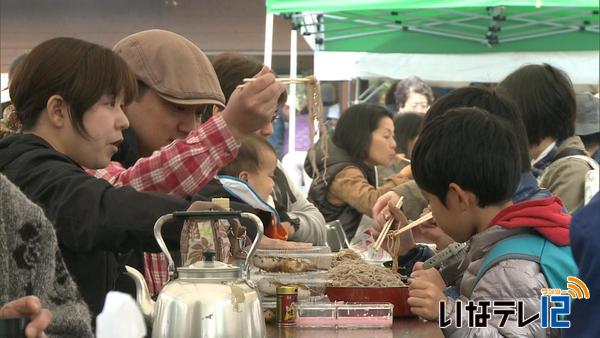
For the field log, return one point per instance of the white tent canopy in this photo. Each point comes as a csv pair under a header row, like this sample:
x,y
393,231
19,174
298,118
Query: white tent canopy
x,y
582,67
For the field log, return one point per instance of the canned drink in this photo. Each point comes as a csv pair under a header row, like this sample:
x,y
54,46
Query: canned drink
x,y
286,305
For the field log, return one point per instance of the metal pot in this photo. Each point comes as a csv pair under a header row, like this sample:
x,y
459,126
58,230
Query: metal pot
x,y
206,299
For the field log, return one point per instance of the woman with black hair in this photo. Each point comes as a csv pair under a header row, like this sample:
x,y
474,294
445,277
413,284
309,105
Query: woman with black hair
x,y
345,187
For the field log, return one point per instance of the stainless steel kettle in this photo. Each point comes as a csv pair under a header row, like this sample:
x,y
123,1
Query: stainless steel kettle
x,y
206,299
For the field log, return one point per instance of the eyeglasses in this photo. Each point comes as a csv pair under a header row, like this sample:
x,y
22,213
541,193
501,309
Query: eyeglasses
x,y
415,105
274,117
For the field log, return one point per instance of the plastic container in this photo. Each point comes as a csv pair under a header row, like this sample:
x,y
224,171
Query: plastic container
x,y
269,308
344,315
308,283
395,295
312,249
293,261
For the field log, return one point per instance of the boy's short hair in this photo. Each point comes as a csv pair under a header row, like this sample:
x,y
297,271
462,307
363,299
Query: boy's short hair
x,y
496,102
249,156
354,128
546,101
469,147
79,71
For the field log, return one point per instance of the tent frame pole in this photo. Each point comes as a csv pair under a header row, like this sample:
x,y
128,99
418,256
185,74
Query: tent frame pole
x,y
356,90
364,97
292,93
268,55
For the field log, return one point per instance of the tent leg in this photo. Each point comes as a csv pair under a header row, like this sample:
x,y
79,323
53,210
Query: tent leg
x,y
268,40
348,94
292,93
356,91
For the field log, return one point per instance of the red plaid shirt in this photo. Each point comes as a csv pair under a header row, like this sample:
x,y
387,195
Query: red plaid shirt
x,y
181,169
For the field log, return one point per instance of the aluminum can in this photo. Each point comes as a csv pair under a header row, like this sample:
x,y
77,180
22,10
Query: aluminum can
x,y
286,305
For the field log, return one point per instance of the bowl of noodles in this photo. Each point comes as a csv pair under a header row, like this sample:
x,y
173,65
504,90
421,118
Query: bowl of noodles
x,y
354,280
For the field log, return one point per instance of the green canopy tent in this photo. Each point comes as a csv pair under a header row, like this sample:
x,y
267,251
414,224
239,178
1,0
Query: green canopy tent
x,y
434,26
446,29
439,40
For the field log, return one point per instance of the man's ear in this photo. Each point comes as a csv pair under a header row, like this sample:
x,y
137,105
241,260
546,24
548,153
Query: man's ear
x,y
57,111
464,199
243,175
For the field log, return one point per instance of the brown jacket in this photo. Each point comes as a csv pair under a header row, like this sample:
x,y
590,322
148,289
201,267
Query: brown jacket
x,y
350,186
565,177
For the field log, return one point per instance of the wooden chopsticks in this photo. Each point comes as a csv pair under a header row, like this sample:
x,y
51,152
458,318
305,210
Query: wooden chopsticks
x,y
387,225
284,80
427,217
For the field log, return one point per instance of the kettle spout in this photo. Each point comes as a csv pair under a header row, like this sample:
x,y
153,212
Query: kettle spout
x,y
142,295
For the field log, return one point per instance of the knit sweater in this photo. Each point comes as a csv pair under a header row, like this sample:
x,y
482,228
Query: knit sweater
x,y
31,264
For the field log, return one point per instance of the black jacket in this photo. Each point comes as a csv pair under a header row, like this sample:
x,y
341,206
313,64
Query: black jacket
x,y
95,223
336,160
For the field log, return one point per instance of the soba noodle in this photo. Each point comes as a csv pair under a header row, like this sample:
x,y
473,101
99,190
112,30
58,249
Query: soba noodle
x,y
393,248
350,270
315,114
345,255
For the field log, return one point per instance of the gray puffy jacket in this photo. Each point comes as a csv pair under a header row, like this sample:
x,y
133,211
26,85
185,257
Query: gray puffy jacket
x,y
513,279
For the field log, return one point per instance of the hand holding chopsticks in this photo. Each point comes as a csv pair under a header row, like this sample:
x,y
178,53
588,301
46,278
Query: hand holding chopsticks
x,y
387,225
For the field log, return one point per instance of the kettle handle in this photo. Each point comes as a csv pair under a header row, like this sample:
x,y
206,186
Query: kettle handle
x,y
259,234
206,215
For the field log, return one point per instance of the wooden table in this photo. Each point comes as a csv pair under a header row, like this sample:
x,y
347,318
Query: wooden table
x,y
409,327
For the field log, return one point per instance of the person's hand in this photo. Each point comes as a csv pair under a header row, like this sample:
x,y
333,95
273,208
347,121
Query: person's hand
x,y
406,172
289,228
425,291
250,108
406,239
30,307
432,275
277,244
381,211
432,232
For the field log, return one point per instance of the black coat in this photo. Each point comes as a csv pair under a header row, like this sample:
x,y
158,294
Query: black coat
x,y
95,223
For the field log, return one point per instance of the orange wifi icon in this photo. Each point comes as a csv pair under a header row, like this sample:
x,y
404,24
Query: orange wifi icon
x,y
577,288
